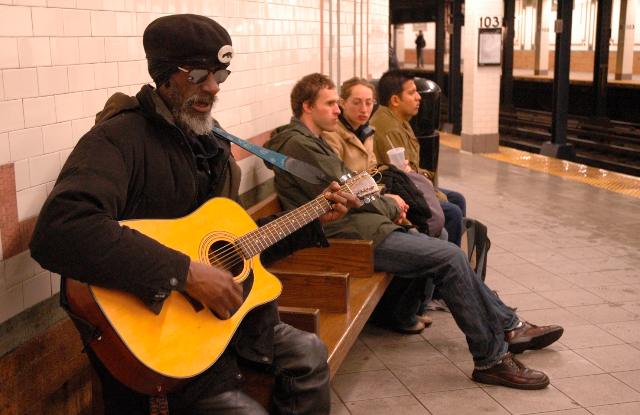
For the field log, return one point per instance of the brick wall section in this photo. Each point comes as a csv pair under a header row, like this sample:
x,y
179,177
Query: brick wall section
x,y
9,227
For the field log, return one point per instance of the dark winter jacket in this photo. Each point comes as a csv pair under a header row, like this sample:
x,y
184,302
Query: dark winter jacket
x,y
372,221
397,182
135,163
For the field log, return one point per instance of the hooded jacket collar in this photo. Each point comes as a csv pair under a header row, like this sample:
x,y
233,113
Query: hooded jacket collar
x,y
294,125
147,100
361,133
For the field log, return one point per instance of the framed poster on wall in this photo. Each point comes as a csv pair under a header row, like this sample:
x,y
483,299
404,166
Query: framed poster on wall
x,y
489,46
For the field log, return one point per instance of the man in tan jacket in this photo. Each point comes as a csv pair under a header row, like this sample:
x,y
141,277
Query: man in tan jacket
x,y
399,102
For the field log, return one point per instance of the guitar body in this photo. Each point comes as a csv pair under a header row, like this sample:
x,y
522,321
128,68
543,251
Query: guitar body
x,y
154,353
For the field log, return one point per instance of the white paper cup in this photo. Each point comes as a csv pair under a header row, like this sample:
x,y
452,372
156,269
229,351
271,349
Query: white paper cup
x,y
396,157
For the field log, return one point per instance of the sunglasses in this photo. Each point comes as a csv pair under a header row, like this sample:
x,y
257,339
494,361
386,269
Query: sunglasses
x,y
196,76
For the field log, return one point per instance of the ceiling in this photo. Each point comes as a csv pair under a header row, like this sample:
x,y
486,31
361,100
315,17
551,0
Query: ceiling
x,y
412,11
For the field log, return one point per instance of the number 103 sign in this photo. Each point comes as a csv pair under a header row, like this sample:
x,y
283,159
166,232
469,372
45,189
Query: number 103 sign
x,y
490,22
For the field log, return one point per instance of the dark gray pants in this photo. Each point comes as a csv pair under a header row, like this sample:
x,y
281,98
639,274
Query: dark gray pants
x,y
302,383
302,380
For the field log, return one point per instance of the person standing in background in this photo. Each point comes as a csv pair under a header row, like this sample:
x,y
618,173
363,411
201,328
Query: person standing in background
x,y
420,44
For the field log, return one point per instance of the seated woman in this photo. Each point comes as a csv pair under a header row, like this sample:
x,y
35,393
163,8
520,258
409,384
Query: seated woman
x,y
353,142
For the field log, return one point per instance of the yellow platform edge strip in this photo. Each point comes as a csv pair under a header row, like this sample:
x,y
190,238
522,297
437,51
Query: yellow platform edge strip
x,y
604,179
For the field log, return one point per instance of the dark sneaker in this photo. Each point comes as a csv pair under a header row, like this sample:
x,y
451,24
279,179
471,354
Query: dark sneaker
x,y
532,337
416,328
512,374
425,319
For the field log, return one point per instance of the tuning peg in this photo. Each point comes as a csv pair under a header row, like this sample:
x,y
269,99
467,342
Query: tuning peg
x,y
343,179
367,199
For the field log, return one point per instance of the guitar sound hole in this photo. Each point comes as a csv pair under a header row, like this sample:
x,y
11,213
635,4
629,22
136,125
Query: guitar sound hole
x,y
225,255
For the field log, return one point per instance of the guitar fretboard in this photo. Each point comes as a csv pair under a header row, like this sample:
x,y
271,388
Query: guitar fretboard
x,y
260,239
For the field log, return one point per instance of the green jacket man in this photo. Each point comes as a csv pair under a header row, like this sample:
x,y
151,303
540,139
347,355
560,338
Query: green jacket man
x,y
373,221
314,102
490,327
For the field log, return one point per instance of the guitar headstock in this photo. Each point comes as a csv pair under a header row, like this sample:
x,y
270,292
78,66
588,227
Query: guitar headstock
x,y
361,185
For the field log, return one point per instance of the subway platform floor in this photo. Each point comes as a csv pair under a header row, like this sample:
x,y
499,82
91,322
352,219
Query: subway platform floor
x,y
565,251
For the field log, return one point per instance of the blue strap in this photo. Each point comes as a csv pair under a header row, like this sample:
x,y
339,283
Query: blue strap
x,y
296,167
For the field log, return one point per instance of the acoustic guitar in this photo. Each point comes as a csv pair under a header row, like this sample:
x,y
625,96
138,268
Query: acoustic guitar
x,y
155,353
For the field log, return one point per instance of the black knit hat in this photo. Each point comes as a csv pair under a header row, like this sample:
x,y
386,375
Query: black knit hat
x,y
185,39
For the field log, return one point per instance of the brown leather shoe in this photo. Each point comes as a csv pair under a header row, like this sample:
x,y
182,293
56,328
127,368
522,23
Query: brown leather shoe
x,y
512,374
532,337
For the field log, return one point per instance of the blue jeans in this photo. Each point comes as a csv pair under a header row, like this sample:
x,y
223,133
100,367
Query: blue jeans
x,y
478,312
454,211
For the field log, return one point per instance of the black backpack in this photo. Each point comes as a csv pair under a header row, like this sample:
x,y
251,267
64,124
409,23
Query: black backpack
x,y
397,182
478,244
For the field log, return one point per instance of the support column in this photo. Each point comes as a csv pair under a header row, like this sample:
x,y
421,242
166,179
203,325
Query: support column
x,y
439,58
506,85
481,89
601,58
541,66
558,146
626,34
455,84
399,37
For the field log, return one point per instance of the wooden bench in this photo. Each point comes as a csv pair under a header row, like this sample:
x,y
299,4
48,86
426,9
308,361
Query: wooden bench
x,y
328,291
351,258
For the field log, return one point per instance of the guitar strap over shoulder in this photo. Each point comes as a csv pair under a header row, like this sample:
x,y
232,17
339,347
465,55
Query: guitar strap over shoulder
x,y
298,168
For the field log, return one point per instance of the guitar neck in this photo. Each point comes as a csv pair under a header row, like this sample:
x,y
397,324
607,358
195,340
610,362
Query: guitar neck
x,y
262,238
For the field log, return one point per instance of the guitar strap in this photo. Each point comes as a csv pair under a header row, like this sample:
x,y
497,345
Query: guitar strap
x,y
158,405
298,168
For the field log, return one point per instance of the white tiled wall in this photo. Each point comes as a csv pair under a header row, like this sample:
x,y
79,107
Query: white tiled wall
x,y
371,29
61,59
4,148
378,51
481,84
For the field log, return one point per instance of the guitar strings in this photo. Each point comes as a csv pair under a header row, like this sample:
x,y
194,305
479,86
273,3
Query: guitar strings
x,y
234,252
275,227
224,254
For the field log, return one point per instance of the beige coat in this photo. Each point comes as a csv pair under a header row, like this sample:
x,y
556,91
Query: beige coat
x,y
353,153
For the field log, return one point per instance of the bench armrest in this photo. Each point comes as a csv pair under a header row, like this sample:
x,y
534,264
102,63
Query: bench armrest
x,y
342,256
328,291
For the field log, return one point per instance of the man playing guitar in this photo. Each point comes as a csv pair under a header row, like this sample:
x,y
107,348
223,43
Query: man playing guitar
x,y
153,156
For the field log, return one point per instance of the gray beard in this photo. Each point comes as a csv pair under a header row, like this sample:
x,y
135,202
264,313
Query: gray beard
x,y
198,124
185,117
